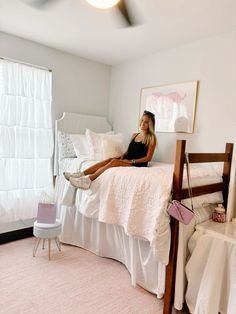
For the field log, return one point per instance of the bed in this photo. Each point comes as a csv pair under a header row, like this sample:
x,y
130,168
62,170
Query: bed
x,y
143,238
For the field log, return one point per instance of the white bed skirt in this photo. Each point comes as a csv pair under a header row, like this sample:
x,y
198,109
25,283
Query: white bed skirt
x,y
110,241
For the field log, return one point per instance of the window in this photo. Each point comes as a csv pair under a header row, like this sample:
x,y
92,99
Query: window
x,y
26,139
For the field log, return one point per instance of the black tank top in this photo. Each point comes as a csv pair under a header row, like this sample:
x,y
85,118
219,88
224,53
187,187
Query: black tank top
x,y
137,150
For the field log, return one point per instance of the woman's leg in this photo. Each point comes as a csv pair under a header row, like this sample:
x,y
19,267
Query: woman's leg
x,y
110,164
97,166
89,170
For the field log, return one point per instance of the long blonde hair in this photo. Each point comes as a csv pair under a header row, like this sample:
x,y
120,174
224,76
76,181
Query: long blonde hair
x,y
150,137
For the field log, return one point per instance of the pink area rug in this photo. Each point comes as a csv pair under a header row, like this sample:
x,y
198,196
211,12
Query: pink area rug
x,y
74,281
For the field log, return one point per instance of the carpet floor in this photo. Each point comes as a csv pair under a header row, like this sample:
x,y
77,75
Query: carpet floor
x,y
74,281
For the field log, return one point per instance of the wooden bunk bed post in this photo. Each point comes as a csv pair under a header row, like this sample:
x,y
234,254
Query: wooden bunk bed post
x,y
226,171
174,224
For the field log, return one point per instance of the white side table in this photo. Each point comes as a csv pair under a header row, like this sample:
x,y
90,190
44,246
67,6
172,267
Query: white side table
x,y
224,231
211,269
46,231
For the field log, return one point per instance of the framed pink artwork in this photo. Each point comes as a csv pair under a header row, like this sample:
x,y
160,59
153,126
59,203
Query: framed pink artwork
x,y
174,106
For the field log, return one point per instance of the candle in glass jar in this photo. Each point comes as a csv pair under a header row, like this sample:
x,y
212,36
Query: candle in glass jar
x,y
219,214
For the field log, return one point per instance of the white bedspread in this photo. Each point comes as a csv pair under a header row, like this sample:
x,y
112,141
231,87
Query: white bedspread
x,y
130,197
134,199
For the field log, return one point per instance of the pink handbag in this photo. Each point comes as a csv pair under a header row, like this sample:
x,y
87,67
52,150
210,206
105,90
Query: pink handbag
x,y
179,211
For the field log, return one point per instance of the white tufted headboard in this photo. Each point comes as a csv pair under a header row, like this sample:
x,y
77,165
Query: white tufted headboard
x,y
74,123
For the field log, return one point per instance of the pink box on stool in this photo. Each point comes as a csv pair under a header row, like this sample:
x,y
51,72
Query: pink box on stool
x,y
47,213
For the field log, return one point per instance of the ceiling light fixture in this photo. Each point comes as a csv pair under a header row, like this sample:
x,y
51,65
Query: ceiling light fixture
x,y
103,4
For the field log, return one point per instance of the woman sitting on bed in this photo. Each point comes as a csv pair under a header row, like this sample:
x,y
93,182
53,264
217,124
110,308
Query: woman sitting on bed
x,y
139,153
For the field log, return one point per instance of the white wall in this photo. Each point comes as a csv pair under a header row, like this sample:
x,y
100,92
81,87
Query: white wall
x,y
79,85
212,61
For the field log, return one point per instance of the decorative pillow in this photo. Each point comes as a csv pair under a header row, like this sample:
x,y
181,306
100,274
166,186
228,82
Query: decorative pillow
x,y
95,143
112,146
80,144
65,146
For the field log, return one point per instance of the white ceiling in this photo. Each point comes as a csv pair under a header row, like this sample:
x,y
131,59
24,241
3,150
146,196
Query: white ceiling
x,y
76,27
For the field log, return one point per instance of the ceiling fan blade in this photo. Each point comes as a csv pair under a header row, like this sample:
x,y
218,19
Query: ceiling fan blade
x,y
39,4
123,8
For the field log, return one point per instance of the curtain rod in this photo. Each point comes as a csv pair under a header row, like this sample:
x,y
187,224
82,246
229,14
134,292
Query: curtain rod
x,y
25,63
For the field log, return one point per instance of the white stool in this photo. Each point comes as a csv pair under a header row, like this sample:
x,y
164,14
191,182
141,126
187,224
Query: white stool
x,y
46,231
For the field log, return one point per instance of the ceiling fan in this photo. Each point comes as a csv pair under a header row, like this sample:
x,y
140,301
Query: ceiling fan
x,y
120,5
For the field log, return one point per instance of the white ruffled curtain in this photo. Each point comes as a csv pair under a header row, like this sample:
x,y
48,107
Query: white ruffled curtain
x,y
26,139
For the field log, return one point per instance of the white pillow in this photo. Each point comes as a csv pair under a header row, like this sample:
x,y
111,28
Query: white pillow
x,y
95,143
112,146
65,146
80,144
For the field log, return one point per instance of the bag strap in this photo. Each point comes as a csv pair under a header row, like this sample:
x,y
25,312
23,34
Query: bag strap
x,y
190,192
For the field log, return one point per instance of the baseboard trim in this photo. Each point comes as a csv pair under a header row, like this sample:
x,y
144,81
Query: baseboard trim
x,y
16,235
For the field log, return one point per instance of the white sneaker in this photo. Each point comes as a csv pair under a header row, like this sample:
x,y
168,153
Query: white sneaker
x,y
81,183
67,175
